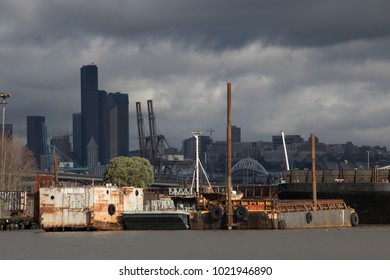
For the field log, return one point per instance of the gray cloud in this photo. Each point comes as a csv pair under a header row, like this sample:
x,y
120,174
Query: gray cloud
x,y
300,66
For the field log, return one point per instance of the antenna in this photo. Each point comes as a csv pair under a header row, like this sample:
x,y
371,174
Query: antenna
x,y
285,151
211,133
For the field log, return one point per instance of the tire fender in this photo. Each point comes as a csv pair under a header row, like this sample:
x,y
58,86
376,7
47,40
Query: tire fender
x,y
309,217
217,212
282,224
111,209
241,212
354,219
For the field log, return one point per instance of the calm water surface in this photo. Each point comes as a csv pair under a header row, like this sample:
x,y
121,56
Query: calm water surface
x,y
362,243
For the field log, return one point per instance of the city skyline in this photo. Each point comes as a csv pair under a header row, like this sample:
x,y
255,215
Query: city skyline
x,y
320,68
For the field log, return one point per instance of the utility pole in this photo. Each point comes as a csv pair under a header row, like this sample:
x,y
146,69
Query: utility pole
x,y
4,96
229,158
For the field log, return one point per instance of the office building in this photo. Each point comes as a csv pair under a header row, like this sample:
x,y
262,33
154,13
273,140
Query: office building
x,y
104,122
118,116
36,134
90,114
62,143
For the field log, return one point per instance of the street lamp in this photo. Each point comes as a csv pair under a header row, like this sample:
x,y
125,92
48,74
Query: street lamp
x,y
4,96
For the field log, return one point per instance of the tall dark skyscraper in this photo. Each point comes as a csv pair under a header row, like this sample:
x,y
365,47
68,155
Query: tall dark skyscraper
x,y
90,114
35,136
104,122
118,117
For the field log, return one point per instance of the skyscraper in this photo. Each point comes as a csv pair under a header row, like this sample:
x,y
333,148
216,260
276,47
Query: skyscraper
x,y
36,136
118,117
104,121
90,113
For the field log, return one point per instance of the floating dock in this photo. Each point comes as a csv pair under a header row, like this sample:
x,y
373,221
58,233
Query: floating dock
x,y
156,220
274,214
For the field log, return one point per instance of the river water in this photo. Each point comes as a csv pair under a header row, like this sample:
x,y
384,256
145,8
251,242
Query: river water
x,y
356,243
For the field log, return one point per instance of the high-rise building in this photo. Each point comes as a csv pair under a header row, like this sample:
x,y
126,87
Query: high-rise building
x,y
103,146
36,136
89,108
77,144
104,121
118,116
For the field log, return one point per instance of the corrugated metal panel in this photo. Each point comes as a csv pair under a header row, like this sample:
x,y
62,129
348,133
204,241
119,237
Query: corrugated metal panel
x,y
81,207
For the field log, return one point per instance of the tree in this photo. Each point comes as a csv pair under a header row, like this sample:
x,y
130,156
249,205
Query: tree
x,y
16,163
129,171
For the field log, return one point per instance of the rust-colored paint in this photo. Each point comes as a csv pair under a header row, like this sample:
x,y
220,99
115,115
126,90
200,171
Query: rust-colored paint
x,y
97,207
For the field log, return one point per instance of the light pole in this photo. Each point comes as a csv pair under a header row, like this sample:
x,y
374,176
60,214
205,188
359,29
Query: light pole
x,y
368,159
4,96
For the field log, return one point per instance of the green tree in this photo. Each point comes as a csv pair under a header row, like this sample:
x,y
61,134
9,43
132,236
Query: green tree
x,y
129,171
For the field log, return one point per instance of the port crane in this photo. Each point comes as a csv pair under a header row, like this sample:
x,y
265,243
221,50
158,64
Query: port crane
x,y
155,146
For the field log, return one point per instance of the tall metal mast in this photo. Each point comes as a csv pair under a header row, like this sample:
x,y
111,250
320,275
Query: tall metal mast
x,y
285,151
229,157
196,135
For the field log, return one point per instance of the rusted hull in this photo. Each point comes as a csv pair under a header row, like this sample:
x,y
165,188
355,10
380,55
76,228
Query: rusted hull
x,y
96,208
298,214
156,220
367,191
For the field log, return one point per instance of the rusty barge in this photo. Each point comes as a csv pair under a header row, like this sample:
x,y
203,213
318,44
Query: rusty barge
x,y
368,191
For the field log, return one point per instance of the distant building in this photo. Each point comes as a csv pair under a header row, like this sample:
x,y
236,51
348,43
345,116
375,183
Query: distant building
x,y
104,122
236,134
118,123
289,139
189,147
62,143
77,142
90,113
35,136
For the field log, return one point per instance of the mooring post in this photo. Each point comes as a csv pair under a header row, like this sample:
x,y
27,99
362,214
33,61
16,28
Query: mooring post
x,y
314,173
229,158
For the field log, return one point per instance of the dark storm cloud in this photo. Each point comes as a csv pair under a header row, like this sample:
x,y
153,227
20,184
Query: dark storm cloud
x,y
302,66
203,23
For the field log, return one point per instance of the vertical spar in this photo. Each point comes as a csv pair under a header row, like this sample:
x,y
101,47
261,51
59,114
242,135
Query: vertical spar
x,y
196,135
314,173
229,157
285,151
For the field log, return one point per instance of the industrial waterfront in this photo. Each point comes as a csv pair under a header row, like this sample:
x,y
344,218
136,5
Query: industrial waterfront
x,y
369,242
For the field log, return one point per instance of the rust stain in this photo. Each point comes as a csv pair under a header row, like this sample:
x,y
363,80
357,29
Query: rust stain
x,y
75,207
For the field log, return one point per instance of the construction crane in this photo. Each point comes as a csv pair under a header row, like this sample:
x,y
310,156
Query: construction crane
x,y
154,147
141,131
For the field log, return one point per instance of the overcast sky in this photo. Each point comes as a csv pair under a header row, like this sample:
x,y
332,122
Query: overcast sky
x,y
302,66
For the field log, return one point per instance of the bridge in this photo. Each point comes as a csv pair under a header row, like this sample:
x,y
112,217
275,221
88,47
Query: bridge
x,y
249,164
